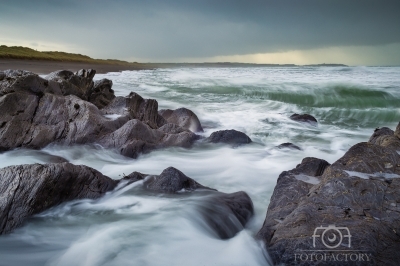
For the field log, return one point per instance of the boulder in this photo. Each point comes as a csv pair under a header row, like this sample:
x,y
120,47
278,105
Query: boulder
x,y
136,137
171,180
358,194
101,94
304,118
29,189
288,145
227,214
385,137
231,136
182,117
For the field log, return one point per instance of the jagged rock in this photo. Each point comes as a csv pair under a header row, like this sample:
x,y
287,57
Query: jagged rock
x,y
229,137
26,82
29,189
135,137
101,94
384,131
288,145
135,107
32,117
224,214
359,192
133,177
182,117
305,118
385,137
144,110
78,84
171,180
397,131
227,214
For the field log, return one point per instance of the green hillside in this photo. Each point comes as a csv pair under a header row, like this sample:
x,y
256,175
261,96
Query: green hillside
x,y
19,52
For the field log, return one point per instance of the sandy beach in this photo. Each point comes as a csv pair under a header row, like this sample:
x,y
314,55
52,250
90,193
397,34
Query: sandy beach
x,y
45,67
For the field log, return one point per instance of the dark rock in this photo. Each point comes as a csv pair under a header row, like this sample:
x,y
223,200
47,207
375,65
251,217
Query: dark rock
x,y
288,145
397,131
135,107
182,117
32,117
172,180
134,177
384,131
144,110
101,95
29,189
385,137
26,82
229,136
227,214
78,84
135,137
304,118
360,192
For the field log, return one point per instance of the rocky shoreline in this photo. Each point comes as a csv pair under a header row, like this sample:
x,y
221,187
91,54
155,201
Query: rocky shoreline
x,y
359,192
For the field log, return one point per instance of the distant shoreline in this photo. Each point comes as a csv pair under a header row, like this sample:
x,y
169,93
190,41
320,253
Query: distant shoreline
x,y
47,66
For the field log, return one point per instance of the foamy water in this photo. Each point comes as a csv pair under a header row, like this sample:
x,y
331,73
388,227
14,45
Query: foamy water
x,y
132,227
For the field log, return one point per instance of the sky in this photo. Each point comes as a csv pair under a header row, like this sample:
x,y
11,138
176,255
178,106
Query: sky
x,y
353,32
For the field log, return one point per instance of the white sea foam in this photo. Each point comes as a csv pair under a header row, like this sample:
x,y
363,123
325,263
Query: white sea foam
x,y
113,116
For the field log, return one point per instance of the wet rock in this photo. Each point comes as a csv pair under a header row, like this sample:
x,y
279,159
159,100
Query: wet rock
x,y
171,180
182,117
359,192
397,131
32,117
145,110
385,137
304,118
26,82
78,84
227,214
384,131
133,177
288,145
231,136
102,94
136,137
135,107
29,189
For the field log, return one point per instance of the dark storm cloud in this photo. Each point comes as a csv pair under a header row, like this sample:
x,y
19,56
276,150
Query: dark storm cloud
x,y
156,29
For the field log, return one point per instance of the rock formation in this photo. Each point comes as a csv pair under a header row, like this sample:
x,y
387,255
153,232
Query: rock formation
x,y
360,192
182,117
29,189
231,136
64,109
288,145
304,118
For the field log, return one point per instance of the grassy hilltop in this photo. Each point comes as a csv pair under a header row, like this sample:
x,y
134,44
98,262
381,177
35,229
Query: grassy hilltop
x,y
25,53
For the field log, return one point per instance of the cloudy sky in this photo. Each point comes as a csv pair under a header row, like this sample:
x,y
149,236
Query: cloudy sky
x,y
355,32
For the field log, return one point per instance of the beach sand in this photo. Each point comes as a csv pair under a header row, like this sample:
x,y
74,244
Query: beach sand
x,y
46,67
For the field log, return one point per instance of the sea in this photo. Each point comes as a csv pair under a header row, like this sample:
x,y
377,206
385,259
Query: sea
x,y
132,227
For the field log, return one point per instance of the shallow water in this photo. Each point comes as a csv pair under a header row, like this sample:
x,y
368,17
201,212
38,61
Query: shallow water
x,y
130,227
